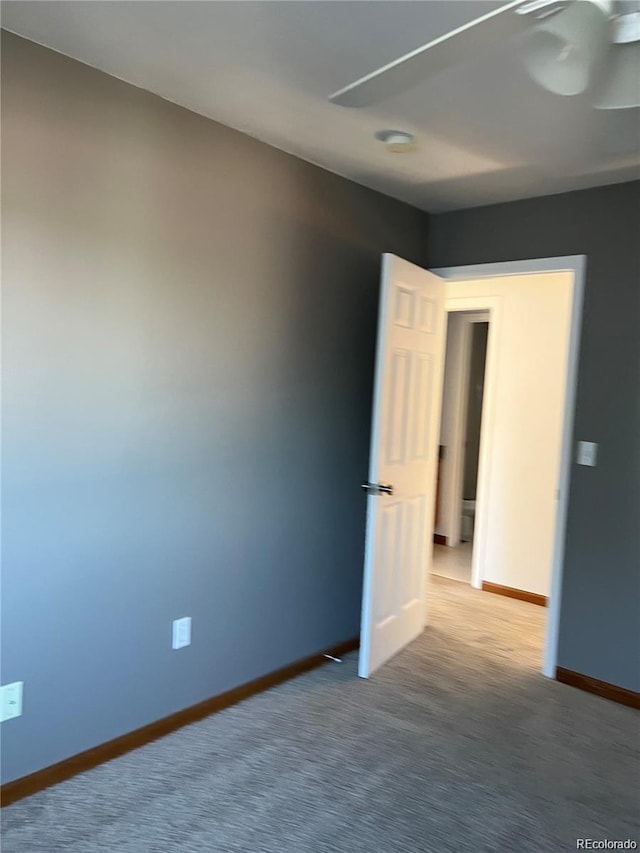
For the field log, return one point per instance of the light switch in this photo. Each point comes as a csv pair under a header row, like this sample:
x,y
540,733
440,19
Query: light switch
x,y
587,453
181,634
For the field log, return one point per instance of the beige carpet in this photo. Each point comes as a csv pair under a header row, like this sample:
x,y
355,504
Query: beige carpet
x,y
459,744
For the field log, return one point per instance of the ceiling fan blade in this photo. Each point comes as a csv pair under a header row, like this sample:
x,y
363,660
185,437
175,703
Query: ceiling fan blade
x,y
454,47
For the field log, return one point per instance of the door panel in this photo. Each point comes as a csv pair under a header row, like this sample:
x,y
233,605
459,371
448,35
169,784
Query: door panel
x,y
399,406
422,390
406,414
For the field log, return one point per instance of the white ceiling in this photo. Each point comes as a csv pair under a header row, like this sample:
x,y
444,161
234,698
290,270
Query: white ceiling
x,y
486,133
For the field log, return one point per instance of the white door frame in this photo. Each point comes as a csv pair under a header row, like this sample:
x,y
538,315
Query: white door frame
x,y
453,473
575,264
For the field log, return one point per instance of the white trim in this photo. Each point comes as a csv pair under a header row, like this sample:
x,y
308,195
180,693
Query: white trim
x,y
577,265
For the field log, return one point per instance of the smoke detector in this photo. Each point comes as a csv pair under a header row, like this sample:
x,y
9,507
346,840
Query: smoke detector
x,y
396,141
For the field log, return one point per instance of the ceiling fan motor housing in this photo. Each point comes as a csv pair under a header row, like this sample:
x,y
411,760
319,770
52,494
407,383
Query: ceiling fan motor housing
x,y
565,51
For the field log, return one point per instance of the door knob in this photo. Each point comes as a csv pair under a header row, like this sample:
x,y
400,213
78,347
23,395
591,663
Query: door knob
x,y
377,488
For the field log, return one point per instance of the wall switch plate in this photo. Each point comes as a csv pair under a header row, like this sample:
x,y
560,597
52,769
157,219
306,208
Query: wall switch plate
x,y
181,632
10,700
587,453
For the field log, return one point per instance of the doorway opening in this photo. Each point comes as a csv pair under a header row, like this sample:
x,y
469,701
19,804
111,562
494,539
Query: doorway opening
x,y
459,449
524,449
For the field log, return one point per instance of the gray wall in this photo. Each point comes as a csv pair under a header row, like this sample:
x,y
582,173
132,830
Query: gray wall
x,y
599,630
189,328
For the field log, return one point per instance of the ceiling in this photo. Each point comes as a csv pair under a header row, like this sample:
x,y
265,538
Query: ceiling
x,y
486,133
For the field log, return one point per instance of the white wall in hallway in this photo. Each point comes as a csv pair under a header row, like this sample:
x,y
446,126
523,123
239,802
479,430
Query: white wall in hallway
x,y
519,473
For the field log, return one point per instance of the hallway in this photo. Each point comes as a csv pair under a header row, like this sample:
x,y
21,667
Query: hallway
x,y
453,563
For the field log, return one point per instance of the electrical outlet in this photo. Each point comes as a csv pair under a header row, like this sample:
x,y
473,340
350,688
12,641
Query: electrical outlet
x,y
10,700
181,632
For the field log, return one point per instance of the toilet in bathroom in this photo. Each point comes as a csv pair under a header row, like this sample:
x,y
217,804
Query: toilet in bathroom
x,y
468,518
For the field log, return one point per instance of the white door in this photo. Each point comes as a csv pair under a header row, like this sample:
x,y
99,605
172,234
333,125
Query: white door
x,y
402,466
